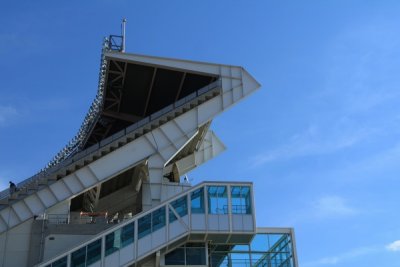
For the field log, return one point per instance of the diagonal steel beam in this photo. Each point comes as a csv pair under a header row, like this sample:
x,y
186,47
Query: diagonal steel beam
x,y
180,86
149,94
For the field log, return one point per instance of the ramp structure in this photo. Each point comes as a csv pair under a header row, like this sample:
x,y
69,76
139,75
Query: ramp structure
x,y
114,196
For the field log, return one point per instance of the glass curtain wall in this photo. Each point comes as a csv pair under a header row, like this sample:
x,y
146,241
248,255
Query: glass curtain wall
x,y
197,201
241,200
188,254
151,222
217,199
181,208
269,250
85,256
120,238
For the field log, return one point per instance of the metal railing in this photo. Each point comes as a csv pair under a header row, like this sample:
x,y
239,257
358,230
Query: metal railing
x,y
134,127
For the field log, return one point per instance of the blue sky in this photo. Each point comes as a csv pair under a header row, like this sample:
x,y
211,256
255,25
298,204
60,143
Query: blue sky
x,y
319,140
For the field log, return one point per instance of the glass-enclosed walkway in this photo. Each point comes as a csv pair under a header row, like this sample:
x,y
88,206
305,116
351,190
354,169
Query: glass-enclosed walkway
x,y
210,208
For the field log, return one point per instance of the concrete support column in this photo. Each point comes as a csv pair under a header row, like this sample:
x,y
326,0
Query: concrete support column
x,y
152,187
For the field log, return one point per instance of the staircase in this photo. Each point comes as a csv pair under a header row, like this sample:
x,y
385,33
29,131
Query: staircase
x,y
20,203
162,229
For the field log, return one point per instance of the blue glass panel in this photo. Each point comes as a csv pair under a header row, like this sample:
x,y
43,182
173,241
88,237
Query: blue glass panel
x,y
240,200
60,263
197,201
127,234
175,257
158,219
195,256
93,252
144,226
171,216
180,206
113,242
217,200
78,257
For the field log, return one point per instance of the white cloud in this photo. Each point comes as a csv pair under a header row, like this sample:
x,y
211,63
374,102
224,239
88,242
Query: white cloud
x,y
358,252
7,113
315,140
332,206
394,246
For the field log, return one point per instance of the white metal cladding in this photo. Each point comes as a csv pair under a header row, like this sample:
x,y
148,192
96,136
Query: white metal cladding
x,y
236,84
170,232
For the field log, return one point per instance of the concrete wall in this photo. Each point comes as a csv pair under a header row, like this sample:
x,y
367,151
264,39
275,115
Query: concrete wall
x,y
14,245
61,237
60,243
60,208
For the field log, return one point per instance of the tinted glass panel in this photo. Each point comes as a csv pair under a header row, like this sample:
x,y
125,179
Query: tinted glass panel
x,y
93,252
113,242
195,256
172,216
158,219
144,226
78,257
60,263
241,200
127,234
175,257
217,200
197,201
180,206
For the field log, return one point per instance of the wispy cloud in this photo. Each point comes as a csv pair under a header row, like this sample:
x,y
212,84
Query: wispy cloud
x,y
394,246
333,260
359,90
314,141
7,113
325,208
333,206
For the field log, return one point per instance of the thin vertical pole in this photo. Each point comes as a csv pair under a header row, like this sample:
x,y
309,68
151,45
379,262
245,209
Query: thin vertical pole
x,y
123,33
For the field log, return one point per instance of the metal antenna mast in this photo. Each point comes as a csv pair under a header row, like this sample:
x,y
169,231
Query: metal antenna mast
x,y
123,28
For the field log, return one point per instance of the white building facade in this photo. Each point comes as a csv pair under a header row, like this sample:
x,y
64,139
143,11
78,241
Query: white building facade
x,y
117,196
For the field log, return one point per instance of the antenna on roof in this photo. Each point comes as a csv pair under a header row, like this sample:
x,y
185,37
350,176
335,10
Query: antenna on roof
x,y
123,28
117,42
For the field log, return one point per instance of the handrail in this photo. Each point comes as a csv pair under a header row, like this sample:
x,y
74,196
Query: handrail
x,y
144,213
134,127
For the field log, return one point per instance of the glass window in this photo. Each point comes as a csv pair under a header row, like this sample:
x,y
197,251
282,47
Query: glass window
x,y
188,254
60,263
197,201
144,226
180,205
195,254
127,234
78,257
172,216
217,200
113,242
241,200
175,257
158,219
93,252
220,259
